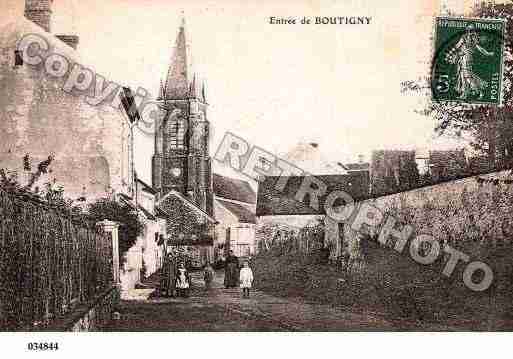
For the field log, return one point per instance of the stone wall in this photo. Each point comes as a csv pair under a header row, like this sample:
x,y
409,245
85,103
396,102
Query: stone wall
x,y
476,208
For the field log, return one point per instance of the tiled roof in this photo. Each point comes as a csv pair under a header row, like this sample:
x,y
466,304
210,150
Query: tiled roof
x,y
243,214
234,189
186,202
271,201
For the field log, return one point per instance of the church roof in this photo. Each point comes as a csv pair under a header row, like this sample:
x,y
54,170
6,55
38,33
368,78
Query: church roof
x,y
181,82
243,214
188,203
234,189
272,201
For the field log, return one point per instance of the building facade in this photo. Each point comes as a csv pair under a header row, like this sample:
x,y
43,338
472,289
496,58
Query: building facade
x,y
38,117
145,257
280,211
234,210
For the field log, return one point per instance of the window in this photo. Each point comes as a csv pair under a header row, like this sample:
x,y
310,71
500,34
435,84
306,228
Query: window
x,y
176,135
18,58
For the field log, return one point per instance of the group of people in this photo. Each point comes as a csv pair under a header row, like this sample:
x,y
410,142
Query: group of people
x,y
176,279
234,275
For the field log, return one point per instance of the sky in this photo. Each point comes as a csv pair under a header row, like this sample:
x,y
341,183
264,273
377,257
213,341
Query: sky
x,y
274,85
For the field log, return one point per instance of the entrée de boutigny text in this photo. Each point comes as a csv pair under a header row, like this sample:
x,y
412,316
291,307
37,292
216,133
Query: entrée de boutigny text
x,y
321,20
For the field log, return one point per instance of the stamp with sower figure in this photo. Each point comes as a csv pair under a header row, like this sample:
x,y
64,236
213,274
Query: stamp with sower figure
x,y
468,61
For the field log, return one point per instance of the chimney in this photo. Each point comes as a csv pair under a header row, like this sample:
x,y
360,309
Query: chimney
x,y
39,12
70,40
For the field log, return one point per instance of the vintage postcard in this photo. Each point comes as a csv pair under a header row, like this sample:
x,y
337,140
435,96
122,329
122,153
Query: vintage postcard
x,y
254,166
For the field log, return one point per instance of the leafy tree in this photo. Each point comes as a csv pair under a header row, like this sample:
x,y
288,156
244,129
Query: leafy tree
x,y
409,175
130,225
393,171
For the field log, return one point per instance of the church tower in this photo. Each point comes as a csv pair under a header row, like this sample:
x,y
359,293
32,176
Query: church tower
x,y
39,12
181,161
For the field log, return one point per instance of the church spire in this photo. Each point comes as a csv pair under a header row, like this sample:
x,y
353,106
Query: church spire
x,y
177,81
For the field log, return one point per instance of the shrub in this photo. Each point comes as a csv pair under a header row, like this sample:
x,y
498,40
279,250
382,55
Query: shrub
x,y
130,225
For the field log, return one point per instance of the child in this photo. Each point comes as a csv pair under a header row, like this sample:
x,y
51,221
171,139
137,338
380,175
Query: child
x,y
208,276
182,281
246,279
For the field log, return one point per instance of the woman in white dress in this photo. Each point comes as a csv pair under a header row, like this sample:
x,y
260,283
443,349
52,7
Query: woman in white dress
x,y
246,279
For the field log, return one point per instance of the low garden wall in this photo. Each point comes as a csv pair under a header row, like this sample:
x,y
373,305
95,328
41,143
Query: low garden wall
x,y
89,317
473,215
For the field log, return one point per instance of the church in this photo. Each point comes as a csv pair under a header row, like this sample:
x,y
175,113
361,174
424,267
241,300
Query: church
x,y
207,215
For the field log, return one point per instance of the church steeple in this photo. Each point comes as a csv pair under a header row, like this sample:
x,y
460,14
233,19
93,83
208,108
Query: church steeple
x,y
178,76
182,161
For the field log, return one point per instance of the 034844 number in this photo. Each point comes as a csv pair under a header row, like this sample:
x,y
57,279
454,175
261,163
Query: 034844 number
x,y
43,346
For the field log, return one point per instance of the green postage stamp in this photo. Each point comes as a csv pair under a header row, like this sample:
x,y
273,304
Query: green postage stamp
x,y
468,61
